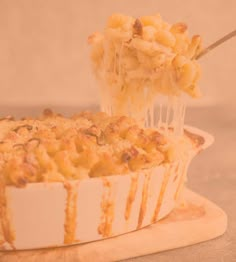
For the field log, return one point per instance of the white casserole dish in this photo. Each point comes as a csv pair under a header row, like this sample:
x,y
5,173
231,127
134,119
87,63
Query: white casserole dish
x,y
54,214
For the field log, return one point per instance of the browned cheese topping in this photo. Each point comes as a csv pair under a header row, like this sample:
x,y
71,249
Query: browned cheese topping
x,y
55,148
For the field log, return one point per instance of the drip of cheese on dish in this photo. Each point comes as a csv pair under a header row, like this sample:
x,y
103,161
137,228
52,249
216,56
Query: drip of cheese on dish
x,y
136,60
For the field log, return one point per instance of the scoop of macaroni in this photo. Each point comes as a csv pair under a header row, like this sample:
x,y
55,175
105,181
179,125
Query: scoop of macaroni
x,y
137,59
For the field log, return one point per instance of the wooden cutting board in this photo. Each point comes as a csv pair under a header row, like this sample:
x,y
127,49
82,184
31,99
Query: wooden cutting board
x,y
196,221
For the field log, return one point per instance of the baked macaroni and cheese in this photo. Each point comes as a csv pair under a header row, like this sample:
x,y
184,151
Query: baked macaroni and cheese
x,y
55,148
89,167
68,180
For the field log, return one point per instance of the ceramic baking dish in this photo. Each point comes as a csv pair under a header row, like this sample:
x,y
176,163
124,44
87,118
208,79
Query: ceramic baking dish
x,y
56,214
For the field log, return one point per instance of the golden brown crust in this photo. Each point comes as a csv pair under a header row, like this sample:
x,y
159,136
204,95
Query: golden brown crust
x,y
55,148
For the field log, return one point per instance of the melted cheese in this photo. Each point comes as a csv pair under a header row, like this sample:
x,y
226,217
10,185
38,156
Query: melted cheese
x,y
137,60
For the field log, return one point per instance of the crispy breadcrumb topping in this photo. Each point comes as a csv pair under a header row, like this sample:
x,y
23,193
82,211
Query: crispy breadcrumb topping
x,y
55,148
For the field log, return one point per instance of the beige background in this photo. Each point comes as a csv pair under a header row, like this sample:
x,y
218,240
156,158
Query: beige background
x,y
44,56
44,61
